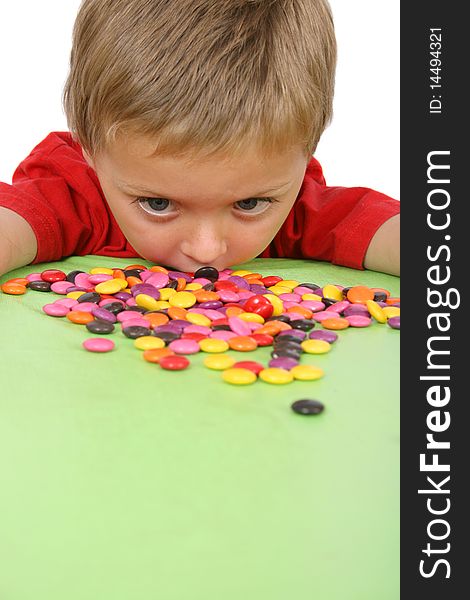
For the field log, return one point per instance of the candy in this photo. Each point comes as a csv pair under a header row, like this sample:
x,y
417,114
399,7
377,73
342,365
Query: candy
x,y
238,376
307,407
98,345
170,314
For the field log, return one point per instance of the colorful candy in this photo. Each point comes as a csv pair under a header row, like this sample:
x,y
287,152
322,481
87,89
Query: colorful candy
x,y
170,315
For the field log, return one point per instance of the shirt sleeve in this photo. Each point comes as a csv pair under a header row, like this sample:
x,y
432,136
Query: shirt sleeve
x,y
59,195
334,224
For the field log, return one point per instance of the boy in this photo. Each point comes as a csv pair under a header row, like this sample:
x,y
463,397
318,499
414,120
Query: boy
x,y
193,125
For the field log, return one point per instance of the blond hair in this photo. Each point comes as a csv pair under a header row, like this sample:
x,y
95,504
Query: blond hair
x,y
201,76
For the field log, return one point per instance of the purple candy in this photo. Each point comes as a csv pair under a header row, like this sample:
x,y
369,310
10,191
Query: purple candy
x,y
356,309
259,289
239,282
123,296
323,334
394,322
283,362
178,323
103,315
76,288
211,304
145,288
179,275
295,332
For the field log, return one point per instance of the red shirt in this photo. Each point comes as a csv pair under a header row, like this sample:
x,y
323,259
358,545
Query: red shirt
x,y
59,195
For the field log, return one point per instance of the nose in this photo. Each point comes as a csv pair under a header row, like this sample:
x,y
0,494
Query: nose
x,y
204,244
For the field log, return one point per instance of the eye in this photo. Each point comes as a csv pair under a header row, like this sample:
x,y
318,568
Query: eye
x,y
156,206
253,206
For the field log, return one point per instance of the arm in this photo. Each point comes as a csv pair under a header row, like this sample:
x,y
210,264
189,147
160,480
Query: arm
x,y
383,253
18,244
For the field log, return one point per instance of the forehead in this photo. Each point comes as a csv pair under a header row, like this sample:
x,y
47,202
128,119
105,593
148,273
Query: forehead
x,y
133,161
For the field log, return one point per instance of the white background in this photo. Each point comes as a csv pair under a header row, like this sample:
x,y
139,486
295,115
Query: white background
x,y
360,147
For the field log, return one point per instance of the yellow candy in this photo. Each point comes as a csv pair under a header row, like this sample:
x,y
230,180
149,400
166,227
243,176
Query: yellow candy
x,y
391,311
146,302
75,295
376,311
279,289
112,286
213,345
315,346
314,297
183,299
148,342
193,286
333,292
166,293
101,271
198,319
251,317
289,283
240,273
219,362
276,376
277,304
306,372
162,304
239,376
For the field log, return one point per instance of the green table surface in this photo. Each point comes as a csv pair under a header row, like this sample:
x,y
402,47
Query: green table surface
x,y
121,481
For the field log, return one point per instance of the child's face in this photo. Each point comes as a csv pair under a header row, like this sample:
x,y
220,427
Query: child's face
x,y
187,214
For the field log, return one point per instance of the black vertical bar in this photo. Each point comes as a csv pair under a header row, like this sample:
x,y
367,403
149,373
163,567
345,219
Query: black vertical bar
x,y
435,249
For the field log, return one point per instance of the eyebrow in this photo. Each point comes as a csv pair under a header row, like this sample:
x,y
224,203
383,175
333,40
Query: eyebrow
x,y
130,187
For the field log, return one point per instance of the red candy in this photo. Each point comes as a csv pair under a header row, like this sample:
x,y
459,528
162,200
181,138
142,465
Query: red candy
x,y
260,305
53,275
174,363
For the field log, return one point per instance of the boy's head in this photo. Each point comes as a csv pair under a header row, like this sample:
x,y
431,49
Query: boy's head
x,y
209,103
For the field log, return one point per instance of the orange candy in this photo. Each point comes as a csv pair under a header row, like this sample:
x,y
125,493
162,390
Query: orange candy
x,y
158,269
131,281
335,323
118,274
359,294
233,311
80,317
176,312
15,289
131,267
156,319
154,355
393,300
21,280
242,343
181,284
205,295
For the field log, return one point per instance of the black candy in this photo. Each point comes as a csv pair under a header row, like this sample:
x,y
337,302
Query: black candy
x,y
380,296
90,297
100,327
328,301
209,287
172,285
39,286
307,407
135,331
138,309
114,307
287,353
302,324
133,272
283,318
312,286
167,336
210,273
71,276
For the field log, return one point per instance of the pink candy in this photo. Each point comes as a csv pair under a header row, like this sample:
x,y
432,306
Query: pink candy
x,y
98,345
